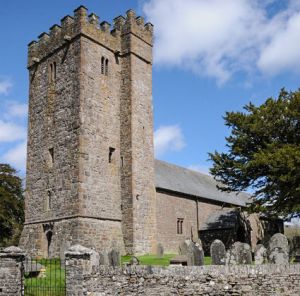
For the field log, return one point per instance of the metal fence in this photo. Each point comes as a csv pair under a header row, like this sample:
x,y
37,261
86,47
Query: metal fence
x,y
44,277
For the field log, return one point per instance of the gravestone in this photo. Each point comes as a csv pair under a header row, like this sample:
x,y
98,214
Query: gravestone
x,y
278,249
193,252
239,253
184,246
103,258
260,254
114,258
160,251
198,254
217,252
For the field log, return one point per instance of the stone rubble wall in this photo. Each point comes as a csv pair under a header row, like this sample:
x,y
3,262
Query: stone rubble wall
x,y
11,271
86,277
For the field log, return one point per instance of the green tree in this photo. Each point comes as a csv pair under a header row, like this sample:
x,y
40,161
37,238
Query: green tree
x,y
11,205
264,154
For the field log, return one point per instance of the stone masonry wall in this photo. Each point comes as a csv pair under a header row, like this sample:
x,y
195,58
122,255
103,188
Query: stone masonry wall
x,y
170,207
267,280
77,152
137,152
11,271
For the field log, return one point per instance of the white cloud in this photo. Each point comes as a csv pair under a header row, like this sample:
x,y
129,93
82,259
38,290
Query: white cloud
x,y
283,51
199,168
16,156
16,109
10,132
168,138
5,86
218,38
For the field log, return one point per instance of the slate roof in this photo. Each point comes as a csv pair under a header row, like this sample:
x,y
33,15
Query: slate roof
x,y
221,219
181,180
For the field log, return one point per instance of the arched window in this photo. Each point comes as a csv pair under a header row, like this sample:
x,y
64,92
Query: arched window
x,y
106,67
179,225
102,65
52,72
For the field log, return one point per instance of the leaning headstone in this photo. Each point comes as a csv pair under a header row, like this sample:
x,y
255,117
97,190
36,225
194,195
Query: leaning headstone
x,y
278,249
160,251
239,253
193,252
198,254
114,258
217,252
260,254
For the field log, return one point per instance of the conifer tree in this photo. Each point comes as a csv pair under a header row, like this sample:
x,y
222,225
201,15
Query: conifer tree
x,y
264,154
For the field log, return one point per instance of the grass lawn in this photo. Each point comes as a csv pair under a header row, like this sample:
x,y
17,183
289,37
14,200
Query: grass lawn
x,y
153,260
51,284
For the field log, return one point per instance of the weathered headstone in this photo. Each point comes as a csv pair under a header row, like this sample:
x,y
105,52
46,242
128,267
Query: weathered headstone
x,y
278,249
260,254
217,252
193,252
103,258
198,254
114,258
183,247
160,251
239,253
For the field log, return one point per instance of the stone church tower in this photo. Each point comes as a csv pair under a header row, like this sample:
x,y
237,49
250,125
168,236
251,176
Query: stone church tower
x,y
90,162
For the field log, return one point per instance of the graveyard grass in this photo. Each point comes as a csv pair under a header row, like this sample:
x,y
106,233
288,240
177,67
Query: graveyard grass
x,y
53,284
154,260
54,281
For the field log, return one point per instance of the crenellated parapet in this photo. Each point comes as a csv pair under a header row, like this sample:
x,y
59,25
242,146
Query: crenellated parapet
x,y
90,26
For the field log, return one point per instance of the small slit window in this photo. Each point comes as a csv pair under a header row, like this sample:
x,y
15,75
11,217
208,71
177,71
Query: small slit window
x,y
106,67
111,154
48,200
52,72
102,65
179,225
51,153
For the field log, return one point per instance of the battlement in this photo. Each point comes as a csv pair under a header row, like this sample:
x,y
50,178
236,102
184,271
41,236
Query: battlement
x,y
82,23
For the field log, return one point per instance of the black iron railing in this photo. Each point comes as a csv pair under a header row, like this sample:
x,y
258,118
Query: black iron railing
x,y
44,277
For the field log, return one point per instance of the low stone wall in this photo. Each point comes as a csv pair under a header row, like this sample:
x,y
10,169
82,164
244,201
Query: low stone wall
x,y
11,271
86,277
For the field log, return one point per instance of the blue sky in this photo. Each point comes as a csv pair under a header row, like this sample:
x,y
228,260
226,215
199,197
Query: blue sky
x,y
209,57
